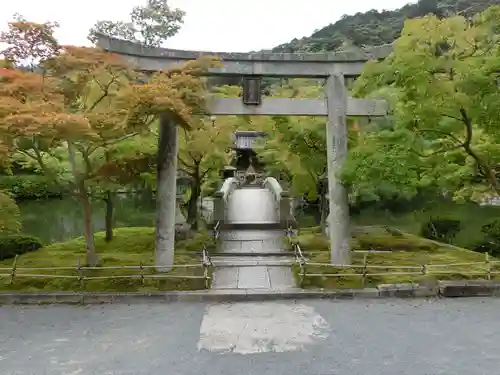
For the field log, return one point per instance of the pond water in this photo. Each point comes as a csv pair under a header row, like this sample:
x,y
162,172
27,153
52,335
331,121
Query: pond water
x,y
58,220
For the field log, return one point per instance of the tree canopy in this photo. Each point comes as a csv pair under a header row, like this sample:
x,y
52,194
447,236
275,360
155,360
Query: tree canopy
x,y
150,24
443,77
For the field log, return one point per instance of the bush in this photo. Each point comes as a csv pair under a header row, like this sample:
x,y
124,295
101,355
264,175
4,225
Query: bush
x,y
443,230
491,243
9,214
489,247
492,230
17,244
30,186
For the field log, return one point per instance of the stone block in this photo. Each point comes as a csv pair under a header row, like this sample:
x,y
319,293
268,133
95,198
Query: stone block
x,y
469,288
367,293
397,290
425,292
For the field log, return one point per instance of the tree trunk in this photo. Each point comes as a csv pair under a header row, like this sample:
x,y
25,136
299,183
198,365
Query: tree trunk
x,y
489,172
166,193
192,218
323,206
88,230
83,197
322,191
109,215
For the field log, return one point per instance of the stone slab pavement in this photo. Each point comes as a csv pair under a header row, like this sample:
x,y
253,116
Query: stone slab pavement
x,y
251,241
254,271
253,277
317,337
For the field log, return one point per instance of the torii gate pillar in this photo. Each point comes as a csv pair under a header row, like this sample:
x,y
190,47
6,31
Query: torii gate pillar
x,y
336,145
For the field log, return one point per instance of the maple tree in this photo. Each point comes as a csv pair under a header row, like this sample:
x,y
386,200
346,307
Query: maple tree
x,y
88,101
28,43
442,79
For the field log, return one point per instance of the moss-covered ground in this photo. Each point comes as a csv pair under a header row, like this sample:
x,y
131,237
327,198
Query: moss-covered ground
x,y
395,248
129,247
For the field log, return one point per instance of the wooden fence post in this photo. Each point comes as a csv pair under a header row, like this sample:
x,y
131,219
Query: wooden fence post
x,y
13,272
205,275
365,263
79,271
303,265
423,269
488,265
141,271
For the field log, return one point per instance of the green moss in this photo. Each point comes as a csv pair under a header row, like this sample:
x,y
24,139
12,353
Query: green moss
x,y
403,249
130,247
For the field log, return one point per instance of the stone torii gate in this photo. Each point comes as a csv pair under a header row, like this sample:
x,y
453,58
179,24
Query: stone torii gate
x,y
336,106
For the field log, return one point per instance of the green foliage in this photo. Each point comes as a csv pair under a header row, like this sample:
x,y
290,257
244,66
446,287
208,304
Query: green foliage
x,y
443,230
130,246
446,109
491,243
17,244
375,28
492,230
381,166
30,186
149,24
9,214
295,150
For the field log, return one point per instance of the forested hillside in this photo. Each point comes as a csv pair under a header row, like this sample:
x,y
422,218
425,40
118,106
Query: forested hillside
x,y
375,28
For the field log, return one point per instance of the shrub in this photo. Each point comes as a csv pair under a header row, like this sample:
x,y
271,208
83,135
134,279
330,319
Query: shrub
x,y
443,230
29,186
491,242
9,214
489,247
17,244
492,230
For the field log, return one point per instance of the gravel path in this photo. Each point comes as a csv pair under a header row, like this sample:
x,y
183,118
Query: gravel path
x,y
397,337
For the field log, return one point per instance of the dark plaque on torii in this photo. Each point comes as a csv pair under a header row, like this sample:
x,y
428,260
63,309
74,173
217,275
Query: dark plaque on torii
x,y
252,94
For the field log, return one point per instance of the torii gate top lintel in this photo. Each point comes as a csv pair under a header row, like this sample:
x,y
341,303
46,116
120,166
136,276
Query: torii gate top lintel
x,y
307,65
